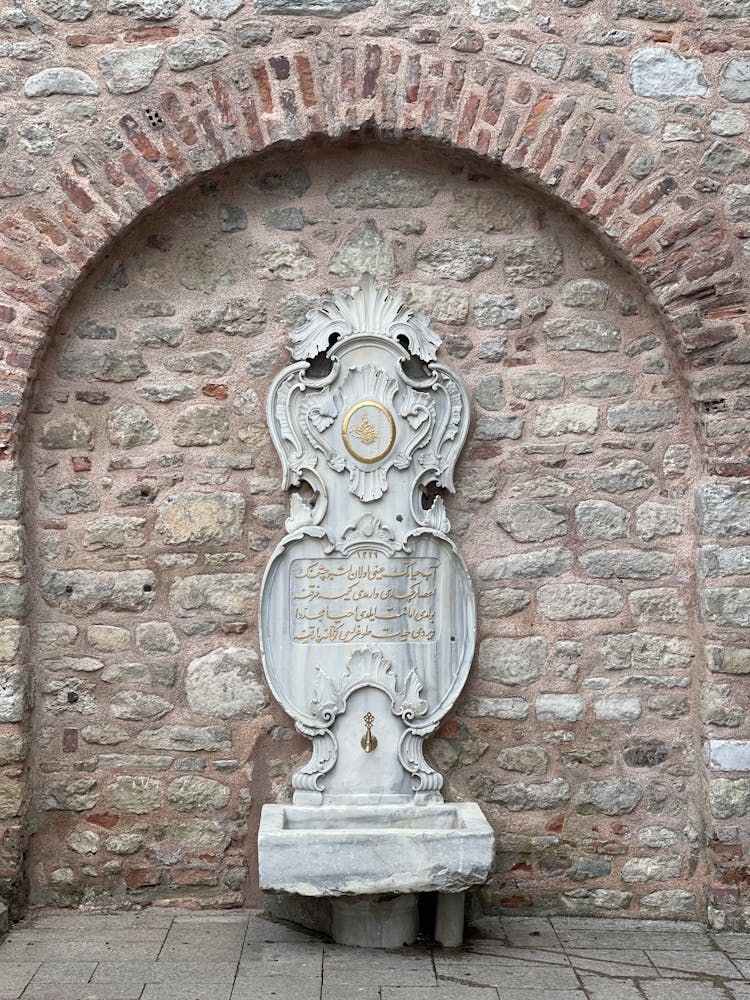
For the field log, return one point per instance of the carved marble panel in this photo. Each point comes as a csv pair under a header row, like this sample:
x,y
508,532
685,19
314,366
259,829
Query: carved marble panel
x,y
367,593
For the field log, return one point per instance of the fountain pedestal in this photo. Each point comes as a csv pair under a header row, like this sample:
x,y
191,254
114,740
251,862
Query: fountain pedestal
x,y
368,623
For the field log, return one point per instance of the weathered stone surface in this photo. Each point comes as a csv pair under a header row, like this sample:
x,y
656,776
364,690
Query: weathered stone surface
x,y
201,425
640,652
482,212
498,428
489,393
107,638
129,426
537,385
125,843
503,602
312,8
11,797
458,259
723,158
657,520
227,593
60,80
670,904
194,793
158,335
286,261
601,519
585,293
645,752
734,83
11,543
532,522
189,739
156,637
67,432
365,251
383,188
559,707
496,708
533,263
80,591
615,797
729,797
525,759
498,10
657,605
729,755
726,660
723,510
14,693
137,795
199,363
166,393
76,497
627,564
115,533
127,71
640,416
105,366
527,565
497,312
83,842
737,201
515,662
438,302
581,334
225,684
200,50
240,317
664,74
76,795
200,518
148,10
614,707
13,747
219,9
575,601
518,797
728,606
66,10
623,476
648,10
643,870
11,495
136,706
78,664
566,418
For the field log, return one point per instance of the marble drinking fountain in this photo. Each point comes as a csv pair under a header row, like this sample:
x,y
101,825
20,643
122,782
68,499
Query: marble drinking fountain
x,y
368,623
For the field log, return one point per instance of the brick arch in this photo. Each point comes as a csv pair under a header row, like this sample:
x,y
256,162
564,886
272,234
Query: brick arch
x,y
551,136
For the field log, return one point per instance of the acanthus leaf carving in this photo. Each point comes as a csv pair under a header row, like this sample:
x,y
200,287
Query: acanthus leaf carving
x,y
367,667
364,310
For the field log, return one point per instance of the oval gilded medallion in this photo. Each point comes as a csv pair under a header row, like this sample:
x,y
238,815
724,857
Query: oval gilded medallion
x,y
369,431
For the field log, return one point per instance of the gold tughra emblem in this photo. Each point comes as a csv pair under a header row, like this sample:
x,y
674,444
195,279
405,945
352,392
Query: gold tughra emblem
x,y
365,431
361,424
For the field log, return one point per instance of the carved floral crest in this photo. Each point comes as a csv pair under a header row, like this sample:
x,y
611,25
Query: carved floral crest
x,y
367,416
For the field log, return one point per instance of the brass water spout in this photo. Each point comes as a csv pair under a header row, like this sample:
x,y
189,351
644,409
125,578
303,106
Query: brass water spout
x,y
368,741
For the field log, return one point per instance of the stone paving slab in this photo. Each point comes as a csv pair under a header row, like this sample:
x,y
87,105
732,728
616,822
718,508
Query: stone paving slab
x,y
239,955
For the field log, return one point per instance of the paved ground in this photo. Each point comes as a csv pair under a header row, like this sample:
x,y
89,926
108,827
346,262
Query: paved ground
x,y
236,955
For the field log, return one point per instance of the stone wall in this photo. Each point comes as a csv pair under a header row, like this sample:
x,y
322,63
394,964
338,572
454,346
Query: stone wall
x,y
632,113
154,505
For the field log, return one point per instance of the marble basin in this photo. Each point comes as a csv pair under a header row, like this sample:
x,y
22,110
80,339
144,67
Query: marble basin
x,y
343,850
